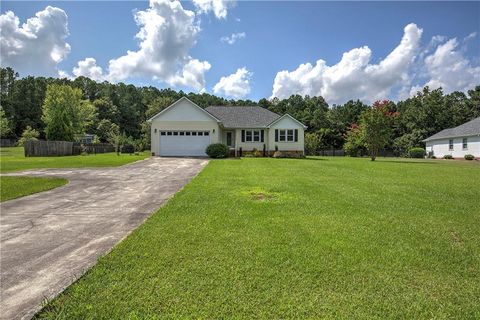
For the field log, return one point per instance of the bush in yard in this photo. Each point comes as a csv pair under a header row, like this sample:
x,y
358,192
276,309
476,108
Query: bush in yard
x,y
257,153
312,143
139,145
5,126
128,148
469,157
448,156
416,153
28,134
353,141
286,154
217,150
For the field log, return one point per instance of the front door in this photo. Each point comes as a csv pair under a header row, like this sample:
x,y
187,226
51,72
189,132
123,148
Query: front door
x,y
229,139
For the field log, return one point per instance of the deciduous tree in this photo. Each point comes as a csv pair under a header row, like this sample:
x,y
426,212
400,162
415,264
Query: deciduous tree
x,y
376,127
65,113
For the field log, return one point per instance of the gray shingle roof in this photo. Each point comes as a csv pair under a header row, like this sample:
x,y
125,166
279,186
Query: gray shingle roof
x,y
243,117
470,128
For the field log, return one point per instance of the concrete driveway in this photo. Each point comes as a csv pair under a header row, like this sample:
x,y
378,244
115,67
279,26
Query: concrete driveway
x,y
50,239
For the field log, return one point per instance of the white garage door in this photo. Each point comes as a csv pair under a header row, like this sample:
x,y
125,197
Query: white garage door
x,y
184,143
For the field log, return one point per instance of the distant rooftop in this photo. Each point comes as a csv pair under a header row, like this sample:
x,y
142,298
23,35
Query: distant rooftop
x,y
470,128
243,117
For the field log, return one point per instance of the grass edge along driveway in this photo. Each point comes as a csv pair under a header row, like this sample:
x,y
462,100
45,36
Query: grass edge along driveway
x,y
12,159
16,187
282,238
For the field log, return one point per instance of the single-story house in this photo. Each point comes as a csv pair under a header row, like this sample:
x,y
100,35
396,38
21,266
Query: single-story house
x,y
457,142
186,129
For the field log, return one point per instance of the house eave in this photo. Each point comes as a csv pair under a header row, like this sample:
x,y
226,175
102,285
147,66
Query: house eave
x,y
452,137
243,127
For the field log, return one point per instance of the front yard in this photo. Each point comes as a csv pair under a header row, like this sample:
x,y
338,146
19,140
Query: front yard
x,y
284,238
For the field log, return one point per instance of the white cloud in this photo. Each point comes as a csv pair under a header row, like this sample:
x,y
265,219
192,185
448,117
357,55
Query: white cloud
x,y
233,38
470,36
218,7
192,75
353,76
64,74
236,85
448,68
167,33
37,46
88,68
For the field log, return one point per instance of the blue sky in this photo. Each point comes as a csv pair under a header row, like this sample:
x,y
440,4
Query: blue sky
x,y
277,36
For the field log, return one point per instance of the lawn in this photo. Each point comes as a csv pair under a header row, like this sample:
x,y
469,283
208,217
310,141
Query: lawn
x,y
13,159
285,238
15,187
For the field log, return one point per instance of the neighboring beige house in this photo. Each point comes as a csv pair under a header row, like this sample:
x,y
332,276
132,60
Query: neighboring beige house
x,y
457,142
185,129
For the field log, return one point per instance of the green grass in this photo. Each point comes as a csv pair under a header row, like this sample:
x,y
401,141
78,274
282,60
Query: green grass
x,y
284,238
13,159
16,187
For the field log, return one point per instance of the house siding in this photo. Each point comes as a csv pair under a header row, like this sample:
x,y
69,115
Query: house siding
x,y
249,146
286,123
440,147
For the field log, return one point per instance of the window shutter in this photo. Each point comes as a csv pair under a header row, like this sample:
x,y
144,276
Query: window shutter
x,y
296,135
262,135
243,135
276,135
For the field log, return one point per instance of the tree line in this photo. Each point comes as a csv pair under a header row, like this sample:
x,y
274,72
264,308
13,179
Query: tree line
x,y
38,103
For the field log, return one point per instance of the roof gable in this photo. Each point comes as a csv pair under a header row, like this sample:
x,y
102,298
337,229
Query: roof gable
x,y
184,110
287,117
243,117
470,128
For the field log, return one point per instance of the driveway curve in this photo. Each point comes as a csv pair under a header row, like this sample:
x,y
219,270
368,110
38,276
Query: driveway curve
x,y
49,239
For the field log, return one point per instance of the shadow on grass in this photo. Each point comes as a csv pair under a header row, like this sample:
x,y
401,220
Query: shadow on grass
x,y
309,158
240,158
406,161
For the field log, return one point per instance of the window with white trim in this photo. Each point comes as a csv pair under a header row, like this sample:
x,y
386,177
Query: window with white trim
x,y
286,135
252,135
282,135
290,135
450,144
465,143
